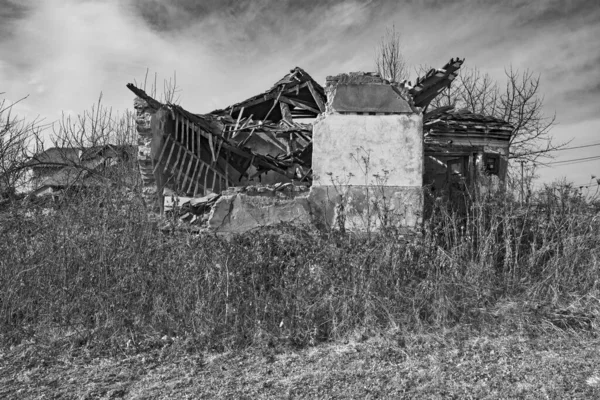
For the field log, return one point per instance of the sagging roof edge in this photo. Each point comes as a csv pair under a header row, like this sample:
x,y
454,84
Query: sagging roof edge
x,y
260,161
297,79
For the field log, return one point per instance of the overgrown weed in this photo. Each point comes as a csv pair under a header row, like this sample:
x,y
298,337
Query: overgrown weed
x,y
99,270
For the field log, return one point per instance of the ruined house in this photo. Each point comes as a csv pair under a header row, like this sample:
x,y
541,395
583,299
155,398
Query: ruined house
x,y
371,147
58,168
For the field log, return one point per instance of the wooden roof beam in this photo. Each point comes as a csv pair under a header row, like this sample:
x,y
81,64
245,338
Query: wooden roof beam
x,y
299,104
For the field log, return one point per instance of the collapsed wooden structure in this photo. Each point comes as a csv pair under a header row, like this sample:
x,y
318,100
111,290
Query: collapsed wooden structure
x,y
199,154
258,138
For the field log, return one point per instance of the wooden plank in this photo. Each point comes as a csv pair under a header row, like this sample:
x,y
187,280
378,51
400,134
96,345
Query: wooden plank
x,y
234,132
177,117
227,169
228,146
296,88
214,182
243,142
197,179
186,151
194,173
286,114
180,168
273,106
298,104
316,96
186,133
206,178
187,172
212,148
218,153
198,147
254,102
172,148
273,140
193,144
188,141
162,154
237,123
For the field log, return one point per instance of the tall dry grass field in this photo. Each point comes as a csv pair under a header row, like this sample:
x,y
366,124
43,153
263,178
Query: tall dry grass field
x,y
95,268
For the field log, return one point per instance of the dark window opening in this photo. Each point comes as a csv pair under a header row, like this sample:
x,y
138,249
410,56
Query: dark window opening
x,y
491,164
455,167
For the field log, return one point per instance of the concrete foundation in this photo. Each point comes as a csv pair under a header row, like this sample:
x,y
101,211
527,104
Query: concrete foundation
x,y
366,208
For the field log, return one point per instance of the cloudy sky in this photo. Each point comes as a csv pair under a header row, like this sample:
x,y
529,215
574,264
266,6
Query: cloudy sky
x,y
64,53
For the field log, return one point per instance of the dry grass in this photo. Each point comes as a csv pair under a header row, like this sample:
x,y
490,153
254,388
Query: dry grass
x,y
392,365
98,266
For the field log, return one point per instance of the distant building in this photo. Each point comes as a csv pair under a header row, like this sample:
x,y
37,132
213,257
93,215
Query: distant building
x,y
62,167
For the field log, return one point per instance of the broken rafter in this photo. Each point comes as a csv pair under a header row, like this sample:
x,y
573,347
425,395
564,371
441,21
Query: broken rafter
x,y
298,104
286,114
211,144
272,139
194,175
254,102
243,142
202,127
273,106
245,125
316,96
202,165
237,123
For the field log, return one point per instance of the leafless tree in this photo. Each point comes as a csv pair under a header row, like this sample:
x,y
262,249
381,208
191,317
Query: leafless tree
x,y
98,126
97,144
170,88
389,60
517,101
16,135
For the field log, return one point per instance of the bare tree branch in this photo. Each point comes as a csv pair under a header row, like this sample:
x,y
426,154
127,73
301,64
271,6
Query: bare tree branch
x,y
16,136
389,60
519,103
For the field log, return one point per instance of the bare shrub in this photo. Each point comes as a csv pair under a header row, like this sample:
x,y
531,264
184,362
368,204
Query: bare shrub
x,y
16,136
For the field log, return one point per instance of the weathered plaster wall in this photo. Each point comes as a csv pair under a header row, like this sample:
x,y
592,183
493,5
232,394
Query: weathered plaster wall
x,y
392,143
368,170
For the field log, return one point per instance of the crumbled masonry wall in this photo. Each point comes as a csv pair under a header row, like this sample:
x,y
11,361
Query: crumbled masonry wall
x,y
237,212
143,120
368,170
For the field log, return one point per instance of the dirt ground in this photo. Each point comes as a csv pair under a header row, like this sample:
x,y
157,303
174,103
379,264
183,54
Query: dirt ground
x,y
434,366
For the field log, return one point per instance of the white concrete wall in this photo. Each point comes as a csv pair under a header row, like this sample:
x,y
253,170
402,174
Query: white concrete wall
x,y
393,143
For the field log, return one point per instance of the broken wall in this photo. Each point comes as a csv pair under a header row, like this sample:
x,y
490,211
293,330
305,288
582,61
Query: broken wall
x,y
368,165
143,119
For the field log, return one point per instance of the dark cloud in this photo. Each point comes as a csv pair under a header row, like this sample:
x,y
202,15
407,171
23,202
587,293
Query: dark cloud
x,y
578,103
176,15
551,12
11,12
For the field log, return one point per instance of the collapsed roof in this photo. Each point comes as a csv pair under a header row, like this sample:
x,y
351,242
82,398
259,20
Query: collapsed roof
x,y
260,135
446,121
429,86
296,91
446,129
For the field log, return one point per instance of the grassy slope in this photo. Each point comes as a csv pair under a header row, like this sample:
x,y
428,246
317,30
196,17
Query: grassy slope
x,y
97,267
433,366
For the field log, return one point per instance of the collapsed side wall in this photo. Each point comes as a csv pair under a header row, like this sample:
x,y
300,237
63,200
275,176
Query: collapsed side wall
x,y
367,168
144,114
